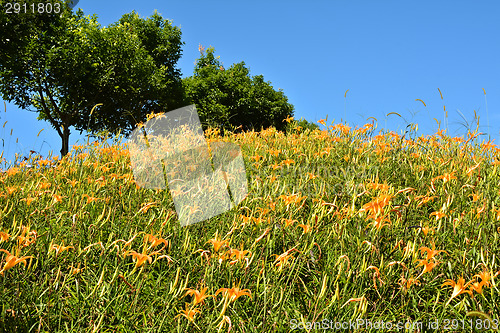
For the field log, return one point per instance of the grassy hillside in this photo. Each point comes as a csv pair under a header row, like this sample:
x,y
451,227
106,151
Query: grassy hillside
x,y
340,225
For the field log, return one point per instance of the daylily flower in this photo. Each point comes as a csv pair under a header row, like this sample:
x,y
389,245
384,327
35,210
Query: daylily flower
x,y
217,243
238,255
12,260
139,258
4,236
378,222
306,228
438,215
430,253
407,283
485,277
477,286
155,240
458,288
188,313
428,266
234,293
57,197
199,296
27,237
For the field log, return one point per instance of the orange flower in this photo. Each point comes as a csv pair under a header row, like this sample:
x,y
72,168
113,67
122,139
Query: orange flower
x,y
26,237
426,230
458,288
239,255
12,260
288,222
485,277
155,240
188,313
44,185
377,205
139,258
406,284
217,243
438,215
12,171
11,189
288,162
4,236
311,175
378,222
428,266
28,200
234,293
57,197
477,287
76,270
430,253
199,297
306,228
293,198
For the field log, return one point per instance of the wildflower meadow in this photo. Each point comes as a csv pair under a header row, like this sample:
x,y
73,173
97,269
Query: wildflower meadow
x,y
340,225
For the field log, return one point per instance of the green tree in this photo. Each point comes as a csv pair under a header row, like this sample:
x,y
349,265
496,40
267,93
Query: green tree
x,y
63,64
231,97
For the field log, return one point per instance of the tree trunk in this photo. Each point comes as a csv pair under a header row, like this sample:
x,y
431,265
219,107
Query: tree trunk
x,y
65,141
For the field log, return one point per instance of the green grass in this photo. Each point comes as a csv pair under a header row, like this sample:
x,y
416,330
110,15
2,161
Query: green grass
x,y
314,254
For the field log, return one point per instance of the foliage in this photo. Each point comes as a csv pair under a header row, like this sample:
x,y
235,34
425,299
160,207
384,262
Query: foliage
x,y
230,97
62,65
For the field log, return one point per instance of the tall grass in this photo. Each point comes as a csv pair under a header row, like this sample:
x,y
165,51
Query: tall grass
x,y
340,224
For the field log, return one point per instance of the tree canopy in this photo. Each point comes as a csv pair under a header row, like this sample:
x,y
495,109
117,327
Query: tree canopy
x,y
231,97
63,64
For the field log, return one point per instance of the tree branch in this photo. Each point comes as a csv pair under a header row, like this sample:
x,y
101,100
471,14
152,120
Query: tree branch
x,y
47,111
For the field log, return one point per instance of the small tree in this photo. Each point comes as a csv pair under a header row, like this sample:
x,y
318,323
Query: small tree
x,y
62,64
231,97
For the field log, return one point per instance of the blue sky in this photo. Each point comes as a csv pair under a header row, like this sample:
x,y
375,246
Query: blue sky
x,y
387,53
